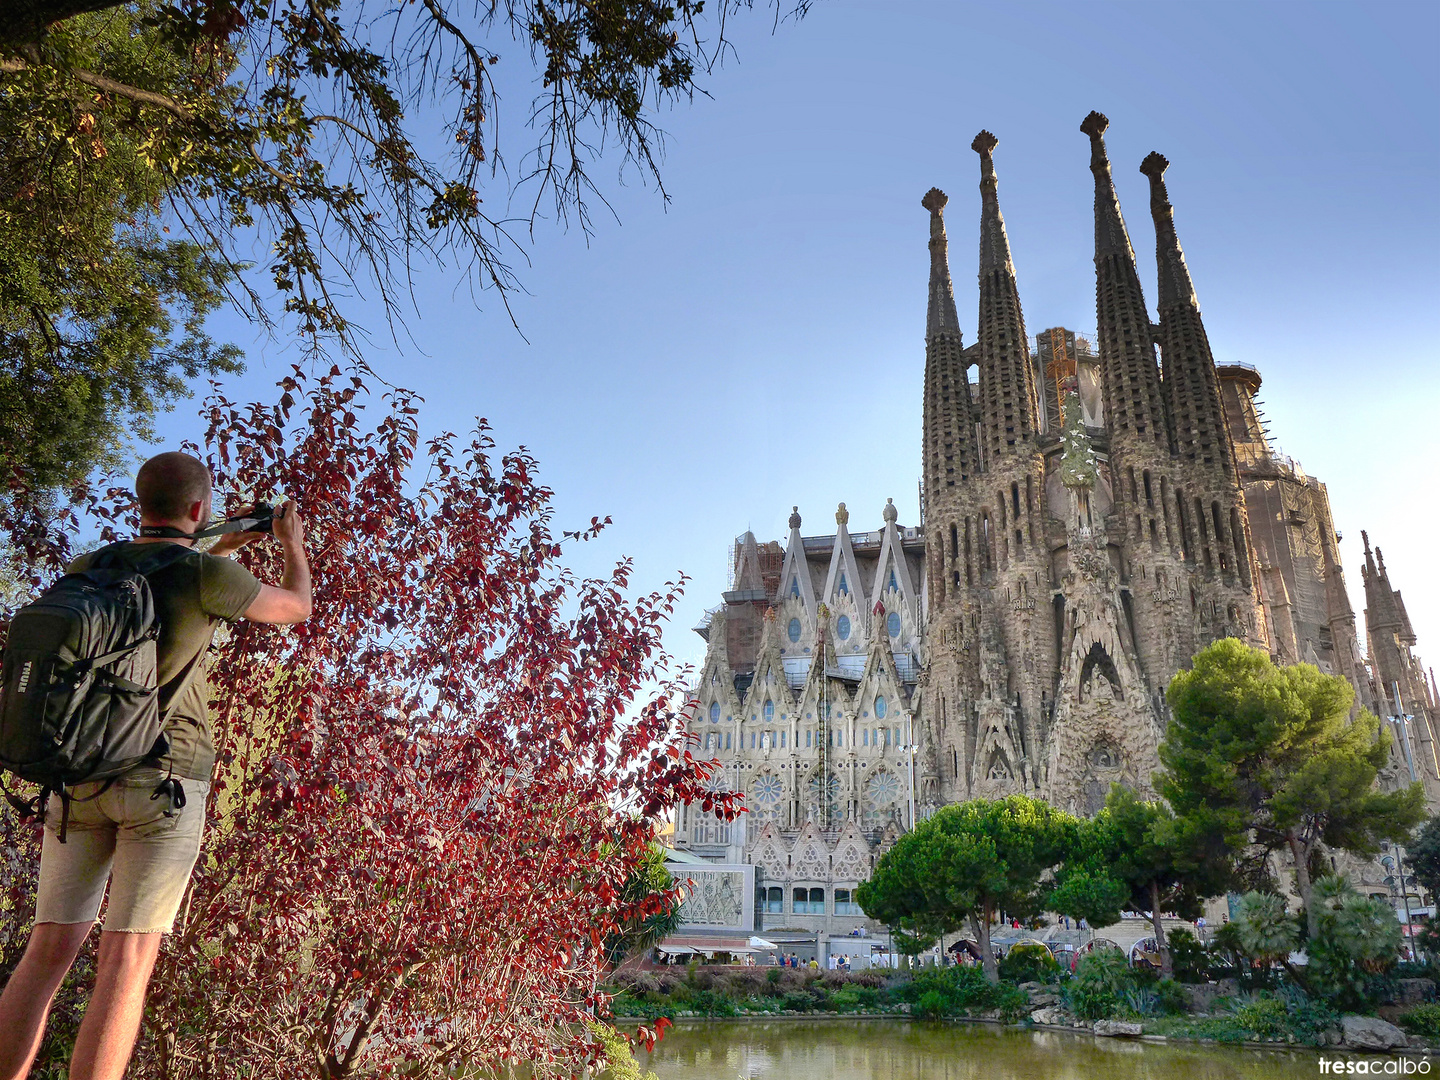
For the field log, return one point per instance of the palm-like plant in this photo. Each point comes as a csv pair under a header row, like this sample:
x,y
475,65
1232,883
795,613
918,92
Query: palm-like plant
x,y
1268,933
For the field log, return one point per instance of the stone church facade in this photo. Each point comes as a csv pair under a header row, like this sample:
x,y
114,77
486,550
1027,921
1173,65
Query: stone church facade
x,y
1092,515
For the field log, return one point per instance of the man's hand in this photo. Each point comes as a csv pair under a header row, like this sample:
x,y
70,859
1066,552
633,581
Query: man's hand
x,y
289,526
229,543
290,601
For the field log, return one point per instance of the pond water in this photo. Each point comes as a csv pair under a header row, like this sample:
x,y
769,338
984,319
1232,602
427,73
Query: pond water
x,y
901,1050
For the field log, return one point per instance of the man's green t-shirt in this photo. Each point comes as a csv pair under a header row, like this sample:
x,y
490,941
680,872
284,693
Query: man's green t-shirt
x,y
192,595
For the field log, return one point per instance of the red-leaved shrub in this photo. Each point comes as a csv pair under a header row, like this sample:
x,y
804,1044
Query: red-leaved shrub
x,y
429,795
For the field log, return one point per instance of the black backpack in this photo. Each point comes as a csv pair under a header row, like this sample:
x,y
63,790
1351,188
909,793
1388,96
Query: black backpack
x,y
79,698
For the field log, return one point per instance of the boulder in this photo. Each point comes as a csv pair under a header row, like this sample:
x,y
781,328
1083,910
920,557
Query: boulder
x,y
1048,1016
1118,1029
1414,991
1040,999
1371,1033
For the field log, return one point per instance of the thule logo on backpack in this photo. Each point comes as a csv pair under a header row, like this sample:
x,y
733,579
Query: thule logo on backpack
x,y
25,676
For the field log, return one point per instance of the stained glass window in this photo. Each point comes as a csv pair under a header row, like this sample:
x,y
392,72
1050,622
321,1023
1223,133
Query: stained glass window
x,y
794,630
880,708
893,624
768,790
842,627
769,711
714,712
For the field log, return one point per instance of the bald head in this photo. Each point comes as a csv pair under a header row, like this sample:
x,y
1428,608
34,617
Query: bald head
x,y
169,484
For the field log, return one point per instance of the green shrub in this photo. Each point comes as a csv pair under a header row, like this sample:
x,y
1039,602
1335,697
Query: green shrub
x,y
1097,989
1221,1028
1188,958
1422,1020
844,1000
626,1005
959,990
774,975
1029,963
933,1004
709,1003
1141,1001
1267,1017
1013,1003
1092,1002
798,1001
1170,998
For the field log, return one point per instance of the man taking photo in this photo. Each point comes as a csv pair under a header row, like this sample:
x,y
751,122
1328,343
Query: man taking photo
x,y
141,832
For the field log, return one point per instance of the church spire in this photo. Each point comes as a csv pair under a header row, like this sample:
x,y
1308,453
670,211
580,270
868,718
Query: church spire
x,y
1191,383
940,318
1008,414
994,244
950,451
1133,398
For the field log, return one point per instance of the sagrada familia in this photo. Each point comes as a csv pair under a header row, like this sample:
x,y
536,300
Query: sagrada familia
x,y
1091,516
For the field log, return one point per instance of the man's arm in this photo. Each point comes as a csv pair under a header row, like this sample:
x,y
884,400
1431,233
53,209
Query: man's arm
x,y
289,602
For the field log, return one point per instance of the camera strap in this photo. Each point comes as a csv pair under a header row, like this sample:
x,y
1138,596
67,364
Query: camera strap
x,y
228,525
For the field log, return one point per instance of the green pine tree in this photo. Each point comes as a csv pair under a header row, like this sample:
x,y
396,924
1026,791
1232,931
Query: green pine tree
x,y
1270,755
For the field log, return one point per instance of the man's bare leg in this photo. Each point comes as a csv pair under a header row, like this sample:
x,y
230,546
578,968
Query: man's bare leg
x,y
112,1019
25,1004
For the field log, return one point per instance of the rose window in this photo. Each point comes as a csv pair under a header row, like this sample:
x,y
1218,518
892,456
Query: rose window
x,y
765,795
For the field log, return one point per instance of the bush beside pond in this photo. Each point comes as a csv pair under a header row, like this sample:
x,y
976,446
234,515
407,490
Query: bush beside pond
x,y
1102,987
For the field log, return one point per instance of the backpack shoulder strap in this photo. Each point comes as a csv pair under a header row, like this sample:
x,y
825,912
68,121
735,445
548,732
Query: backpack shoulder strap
x,y
106,557
168,555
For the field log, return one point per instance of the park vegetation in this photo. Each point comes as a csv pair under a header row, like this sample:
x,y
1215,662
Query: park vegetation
x,y
1264,767
435,803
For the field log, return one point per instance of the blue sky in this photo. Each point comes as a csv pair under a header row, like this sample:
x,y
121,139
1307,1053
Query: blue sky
x,y
696,369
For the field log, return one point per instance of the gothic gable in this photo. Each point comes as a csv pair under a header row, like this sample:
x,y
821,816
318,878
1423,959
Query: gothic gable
x,y
769,854
852,861
810,858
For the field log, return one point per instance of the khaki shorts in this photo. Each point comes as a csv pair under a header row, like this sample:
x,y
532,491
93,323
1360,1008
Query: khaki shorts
x,y
129,839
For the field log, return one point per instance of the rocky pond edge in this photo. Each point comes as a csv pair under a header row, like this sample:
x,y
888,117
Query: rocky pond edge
x,y
1369,1034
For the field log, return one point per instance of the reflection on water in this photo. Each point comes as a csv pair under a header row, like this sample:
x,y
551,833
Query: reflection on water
x,y
900,1050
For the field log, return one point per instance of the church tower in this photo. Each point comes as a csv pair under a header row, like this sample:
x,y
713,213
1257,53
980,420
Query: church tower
x,y
1076,559
1219,541
988,565
1401,689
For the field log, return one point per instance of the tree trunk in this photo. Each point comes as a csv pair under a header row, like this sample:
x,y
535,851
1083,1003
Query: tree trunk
x,y
1161,946
24,21
987,954
1300,852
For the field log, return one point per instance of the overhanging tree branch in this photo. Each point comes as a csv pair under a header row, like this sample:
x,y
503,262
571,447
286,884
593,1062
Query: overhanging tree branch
x,y
12,66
